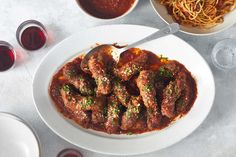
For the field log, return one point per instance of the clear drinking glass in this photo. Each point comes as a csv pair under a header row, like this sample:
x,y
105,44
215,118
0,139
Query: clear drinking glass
x,y
7,56
31,35
224,54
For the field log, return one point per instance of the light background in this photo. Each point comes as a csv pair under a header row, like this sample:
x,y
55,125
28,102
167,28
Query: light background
x,y
216,137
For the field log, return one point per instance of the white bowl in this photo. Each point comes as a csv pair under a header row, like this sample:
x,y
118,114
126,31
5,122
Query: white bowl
x,y
97,18
170,46
17,139
229,20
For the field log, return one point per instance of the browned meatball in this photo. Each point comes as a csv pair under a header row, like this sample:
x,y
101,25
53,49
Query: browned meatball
x,y
98,69
187,93
113,116
145,83
76,102
176,94
121,92
170,95
70,102
79,80
96,105
132,113
133,67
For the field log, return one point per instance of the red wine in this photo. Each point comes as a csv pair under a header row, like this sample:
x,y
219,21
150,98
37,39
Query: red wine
x,y
7,58
69,153
33,38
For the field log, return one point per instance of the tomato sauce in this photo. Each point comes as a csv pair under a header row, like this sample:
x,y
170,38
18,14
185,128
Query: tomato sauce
x,y
154,62
106,9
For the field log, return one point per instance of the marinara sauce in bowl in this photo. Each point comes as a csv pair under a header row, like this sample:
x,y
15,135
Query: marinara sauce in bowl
x,y
107,9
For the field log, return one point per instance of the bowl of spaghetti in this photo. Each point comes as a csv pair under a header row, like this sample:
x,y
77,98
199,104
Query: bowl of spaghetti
x,y
197,17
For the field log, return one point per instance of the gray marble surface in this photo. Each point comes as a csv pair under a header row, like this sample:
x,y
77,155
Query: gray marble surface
x,y
216,137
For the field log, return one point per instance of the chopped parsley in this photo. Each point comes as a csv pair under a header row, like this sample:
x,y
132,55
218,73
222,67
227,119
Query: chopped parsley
x,y
80,78
128,113
136,109
128,71
165,73
116,111
136,67
89,101
105,111
148,87
129,133
66,88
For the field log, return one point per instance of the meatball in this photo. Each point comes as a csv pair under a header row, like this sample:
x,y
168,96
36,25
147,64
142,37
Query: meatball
x,y
170,95
113,115
70,102
133,67
176,94
76,102
145,83
121,92
99,72
96,105
132,113
187,93
79,80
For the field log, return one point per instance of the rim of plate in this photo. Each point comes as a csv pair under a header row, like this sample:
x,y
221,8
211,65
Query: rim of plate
x,y
109,139
191,33
31,129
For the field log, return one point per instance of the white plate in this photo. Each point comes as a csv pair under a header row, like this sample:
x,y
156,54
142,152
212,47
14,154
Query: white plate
x,y
229,20
170,46
16,138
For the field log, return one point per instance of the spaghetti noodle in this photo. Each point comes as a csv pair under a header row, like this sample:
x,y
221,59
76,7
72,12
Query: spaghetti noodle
x,y
199,13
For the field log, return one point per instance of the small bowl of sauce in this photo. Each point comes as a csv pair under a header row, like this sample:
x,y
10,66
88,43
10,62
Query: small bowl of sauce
x,y
107,9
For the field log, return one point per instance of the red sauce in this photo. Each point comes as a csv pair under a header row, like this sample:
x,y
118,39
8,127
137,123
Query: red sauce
x,y
106,9
154,64
33,38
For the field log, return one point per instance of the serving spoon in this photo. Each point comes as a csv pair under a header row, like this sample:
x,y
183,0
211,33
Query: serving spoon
x,y
116,52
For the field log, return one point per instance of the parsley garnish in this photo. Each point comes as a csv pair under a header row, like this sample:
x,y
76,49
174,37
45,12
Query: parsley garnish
x,y
129,133
89,101
148,87
105,111
165,73
128,71
66,88
116,111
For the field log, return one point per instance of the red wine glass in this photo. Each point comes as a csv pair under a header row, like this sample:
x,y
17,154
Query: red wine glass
x,y
7,56
31,35
69,153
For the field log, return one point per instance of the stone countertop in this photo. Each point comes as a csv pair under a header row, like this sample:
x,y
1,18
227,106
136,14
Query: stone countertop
x,y
216,137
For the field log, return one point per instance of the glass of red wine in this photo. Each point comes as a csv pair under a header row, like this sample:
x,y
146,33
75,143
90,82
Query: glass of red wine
x,y
7,56
31,35
69,153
